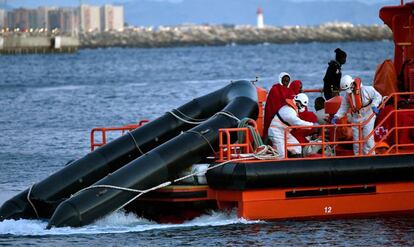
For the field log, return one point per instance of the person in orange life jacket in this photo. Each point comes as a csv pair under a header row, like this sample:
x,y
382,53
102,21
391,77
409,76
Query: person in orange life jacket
x,y
276,99
306,115
288,116
333,75
363,102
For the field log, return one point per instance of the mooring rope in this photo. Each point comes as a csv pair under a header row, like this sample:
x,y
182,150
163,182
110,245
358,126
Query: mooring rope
x,y
257,140
30,201
195,119
136,143
228,114
263,154
185,120
205,139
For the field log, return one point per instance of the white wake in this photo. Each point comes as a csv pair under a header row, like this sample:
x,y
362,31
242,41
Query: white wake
x,y
117,222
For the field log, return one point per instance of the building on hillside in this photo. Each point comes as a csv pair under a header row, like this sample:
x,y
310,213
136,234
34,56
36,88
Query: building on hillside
x,y
112,18
89,18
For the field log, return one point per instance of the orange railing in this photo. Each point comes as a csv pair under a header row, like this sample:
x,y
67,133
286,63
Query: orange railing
x,y
229,150
313,91
105,130
395,129
232,150
361,140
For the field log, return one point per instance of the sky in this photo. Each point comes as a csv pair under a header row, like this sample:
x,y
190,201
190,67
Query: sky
x,y
239,12
34,3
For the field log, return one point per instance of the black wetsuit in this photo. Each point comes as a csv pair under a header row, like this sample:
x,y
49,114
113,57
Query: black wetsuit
x,y
332,79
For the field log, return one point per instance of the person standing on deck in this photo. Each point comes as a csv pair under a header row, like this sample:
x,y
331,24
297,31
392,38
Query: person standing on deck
x,y
276,99
288,116
363,102
333,75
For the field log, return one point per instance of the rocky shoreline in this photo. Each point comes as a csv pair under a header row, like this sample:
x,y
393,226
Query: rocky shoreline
x,y
220,35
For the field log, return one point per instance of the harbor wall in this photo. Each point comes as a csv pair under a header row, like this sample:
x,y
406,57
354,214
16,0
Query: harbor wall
x,y
225,35
205,35
25,43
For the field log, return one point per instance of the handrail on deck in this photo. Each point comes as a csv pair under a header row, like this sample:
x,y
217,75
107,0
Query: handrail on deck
x,y
104,131
360,140
229,150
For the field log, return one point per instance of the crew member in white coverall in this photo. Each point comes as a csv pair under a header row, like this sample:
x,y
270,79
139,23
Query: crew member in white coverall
x,y
363,102
288,116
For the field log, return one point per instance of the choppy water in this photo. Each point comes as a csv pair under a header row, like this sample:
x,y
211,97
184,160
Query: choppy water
x,y
49,103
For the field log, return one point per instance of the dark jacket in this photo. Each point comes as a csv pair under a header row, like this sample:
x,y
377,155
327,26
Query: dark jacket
x,y
332,79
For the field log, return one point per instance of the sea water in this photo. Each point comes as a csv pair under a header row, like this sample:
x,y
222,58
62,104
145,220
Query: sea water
x,y
49,104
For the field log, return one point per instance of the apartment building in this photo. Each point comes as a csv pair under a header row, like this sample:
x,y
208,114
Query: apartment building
x,y
2,18
90,18
86,18
112,18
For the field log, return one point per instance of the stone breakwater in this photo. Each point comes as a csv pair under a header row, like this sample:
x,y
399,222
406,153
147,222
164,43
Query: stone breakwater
x,y
225,35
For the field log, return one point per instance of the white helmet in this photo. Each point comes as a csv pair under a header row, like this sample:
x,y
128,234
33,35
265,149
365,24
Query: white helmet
x,y
303,100
346,83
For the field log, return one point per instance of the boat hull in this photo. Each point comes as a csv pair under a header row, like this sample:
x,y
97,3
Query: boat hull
x,y
360,200
176,204
312,172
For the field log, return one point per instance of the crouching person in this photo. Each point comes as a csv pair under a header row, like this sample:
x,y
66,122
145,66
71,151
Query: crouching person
x,y
288,116
363,102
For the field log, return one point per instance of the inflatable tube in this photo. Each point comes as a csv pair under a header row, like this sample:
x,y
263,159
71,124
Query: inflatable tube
x,y
162,163
320,172
47,194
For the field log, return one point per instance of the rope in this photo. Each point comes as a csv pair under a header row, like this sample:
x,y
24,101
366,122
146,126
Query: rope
x,y
262,151
257,140
259,155
136,144
196,119
105,186
143,192
211,167
30,202
205,138
266,152
228,114
184,120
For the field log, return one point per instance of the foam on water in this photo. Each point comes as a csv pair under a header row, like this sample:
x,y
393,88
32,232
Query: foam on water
x,y
206,81
60,88
118,222
136,84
